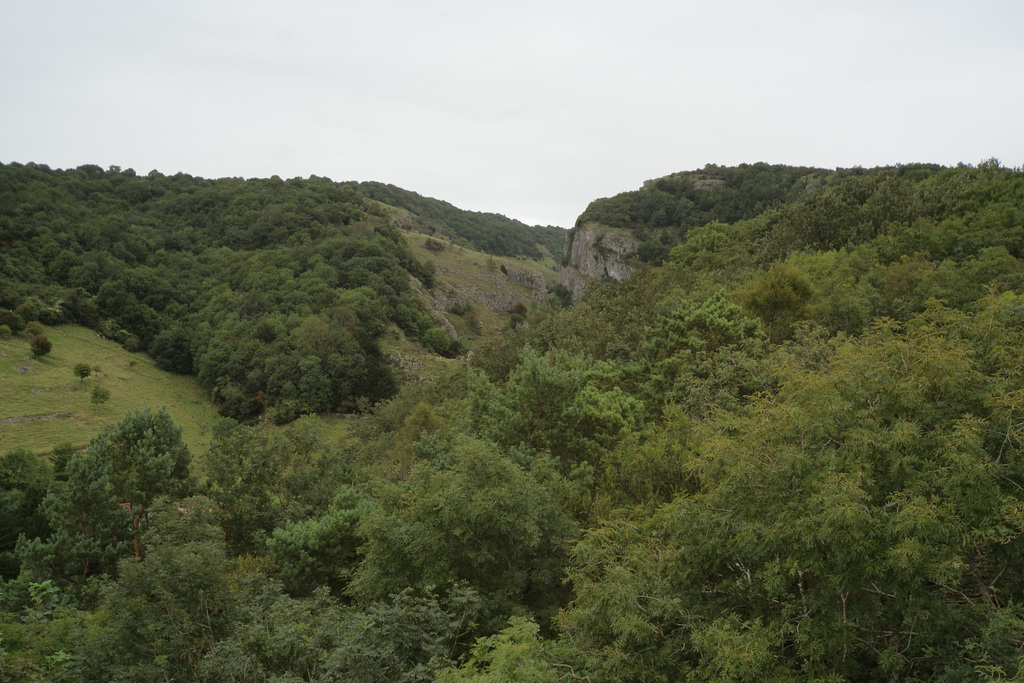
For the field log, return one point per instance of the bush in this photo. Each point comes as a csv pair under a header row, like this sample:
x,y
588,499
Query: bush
x,y
172,349
435,339
100,395
82,370
460,308
34,328
11,320
40,345
5,332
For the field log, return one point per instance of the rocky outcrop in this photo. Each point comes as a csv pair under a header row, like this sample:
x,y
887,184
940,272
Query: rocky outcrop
x,y
495,290
437,310
596,251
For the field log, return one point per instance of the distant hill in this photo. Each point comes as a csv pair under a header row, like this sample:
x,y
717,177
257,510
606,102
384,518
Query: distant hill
x,y
663,210
490,233
714,193
275,293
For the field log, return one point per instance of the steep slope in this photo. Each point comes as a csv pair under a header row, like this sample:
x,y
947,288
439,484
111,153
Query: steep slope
x,y
614,234
825,208
490,233
275,293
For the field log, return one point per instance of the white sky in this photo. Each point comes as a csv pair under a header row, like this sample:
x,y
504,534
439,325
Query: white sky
x,y
530,109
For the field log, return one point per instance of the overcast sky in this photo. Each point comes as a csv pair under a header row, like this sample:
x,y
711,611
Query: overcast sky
x,y
529,109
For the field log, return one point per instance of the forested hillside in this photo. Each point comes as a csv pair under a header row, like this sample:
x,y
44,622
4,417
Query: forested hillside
x,y
691,198
275,293
663,210
487,232
791,452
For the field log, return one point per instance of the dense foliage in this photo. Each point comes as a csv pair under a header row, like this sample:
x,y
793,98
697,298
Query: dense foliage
x,y
487,232
816,207
714,193
273,292
793,452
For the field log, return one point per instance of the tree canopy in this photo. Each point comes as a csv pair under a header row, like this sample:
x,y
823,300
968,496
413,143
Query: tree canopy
x,y
789,450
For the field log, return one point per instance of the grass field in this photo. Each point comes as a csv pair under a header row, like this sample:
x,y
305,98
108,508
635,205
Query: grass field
x,y
48,388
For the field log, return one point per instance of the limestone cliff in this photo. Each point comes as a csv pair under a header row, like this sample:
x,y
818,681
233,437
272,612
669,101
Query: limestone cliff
x,y
596,251
495,290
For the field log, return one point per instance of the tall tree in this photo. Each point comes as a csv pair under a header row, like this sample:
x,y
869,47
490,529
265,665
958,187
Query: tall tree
x,y
89,529
147,457
471,515
98,511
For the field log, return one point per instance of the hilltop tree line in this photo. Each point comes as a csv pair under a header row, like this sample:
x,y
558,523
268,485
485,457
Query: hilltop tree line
x,y
792,452
831,203
487,232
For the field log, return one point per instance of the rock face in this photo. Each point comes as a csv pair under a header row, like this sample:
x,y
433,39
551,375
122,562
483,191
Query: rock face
x,y
495,291
596,251
436,308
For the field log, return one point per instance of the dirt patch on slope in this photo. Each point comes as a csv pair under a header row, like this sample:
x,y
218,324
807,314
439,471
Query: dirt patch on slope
x,y
52,416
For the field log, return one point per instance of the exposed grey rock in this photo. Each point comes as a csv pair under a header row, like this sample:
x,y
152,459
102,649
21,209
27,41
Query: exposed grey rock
x,y
597,251
708,184
436,312
492,290
52,416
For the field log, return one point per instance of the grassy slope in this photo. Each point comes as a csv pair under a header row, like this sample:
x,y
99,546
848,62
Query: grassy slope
x,y
51,387
135,382
468,272
471,271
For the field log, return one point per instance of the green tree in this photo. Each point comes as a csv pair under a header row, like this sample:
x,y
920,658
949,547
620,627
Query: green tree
x,y
437,340
89,530
687,344
166,612
516,653
82,370
557,403
779,297
698,327
314,386
100,395
472,515
262,479
24,479
100,510
860,524
147,457
172,350
321,551
40,345
406,637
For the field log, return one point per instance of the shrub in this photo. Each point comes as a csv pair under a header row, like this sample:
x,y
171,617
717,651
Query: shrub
x,y
40,345
435,339
100,395
82,370
11,320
